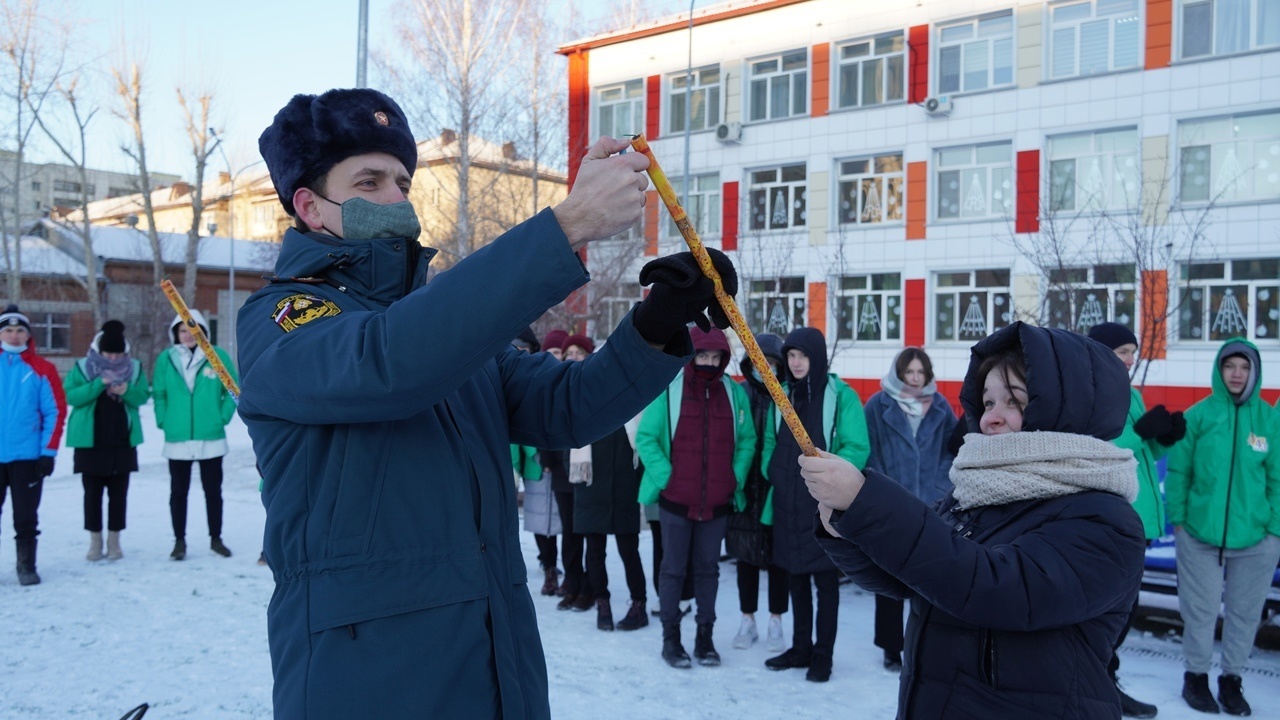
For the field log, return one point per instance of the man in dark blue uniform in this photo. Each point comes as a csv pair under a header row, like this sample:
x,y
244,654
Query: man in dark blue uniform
x,y
382,408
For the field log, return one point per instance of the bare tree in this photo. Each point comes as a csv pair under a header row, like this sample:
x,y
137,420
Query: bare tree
x,y
36,48
129,90
543,119
202,145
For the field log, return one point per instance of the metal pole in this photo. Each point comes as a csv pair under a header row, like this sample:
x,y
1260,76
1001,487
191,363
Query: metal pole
x,y
688,104
362,45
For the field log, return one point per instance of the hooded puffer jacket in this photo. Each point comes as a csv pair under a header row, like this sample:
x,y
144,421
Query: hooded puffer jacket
x,y
1223,480
200,412
1015,608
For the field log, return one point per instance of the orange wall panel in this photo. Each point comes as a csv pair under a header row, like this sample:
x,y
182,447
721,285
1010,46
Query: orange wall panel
x,y
1159,50
818,306
820,87
1155,314
917,199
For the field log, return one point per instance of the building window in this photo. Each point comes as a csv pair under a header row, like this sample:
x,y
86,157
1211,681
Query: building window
x,y
66,186
1094,170
1236,157
704,100
616,306
263,215
1097,36
1228,298
869,307
115,192
776,306
872,71
1223,27
52,331
1080,298
971,305
976,54
779,85
871,190
622,109
702,205
777,198
35,185
975,181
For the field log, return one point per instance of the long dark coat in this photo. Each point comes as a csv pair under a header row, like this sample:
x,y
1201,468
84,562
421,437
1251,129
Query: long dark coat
x,y
608,505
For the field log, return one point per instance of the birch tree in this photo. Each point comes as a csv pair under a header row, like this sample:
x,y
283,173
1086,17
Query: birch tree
x,y
128,88
196,113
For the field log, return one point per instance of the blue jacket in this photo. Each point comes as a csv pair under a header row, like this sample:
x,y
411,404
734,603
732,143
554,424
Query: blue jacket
x,y
381,409
30,413
918,461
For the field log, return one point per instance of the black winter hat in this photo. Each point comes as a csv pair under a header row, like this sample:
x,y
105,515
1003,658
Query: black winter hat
x,y
13,316
1113,335
111,339
313,133
528,339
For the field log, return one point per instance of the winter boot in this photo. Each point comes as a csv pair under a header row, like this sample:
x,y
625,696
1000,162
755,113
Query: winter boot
x,y
95,547
216,545
892,661
1133,708
672,651
550,581
27,562
113,545
584,602
747,634
792,658
604,615
1195,690
819,669
1231,696
179,549
636,617
703,649
566,603
773,641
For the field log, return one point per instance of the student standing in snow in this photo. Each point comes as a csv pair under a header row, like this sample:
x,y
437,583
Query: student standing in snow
x,y
193,408
908,423
1021,579
30,429
606,483
382,409
696,442
105,390
577,595
1149,434
748,539
832,414
539,504
1223,494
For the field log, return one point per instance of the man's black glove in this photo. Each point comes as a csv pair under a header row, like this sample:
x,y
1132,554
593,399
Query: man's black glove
x,y
1155,423
1178,429
957,436
680,294
45,465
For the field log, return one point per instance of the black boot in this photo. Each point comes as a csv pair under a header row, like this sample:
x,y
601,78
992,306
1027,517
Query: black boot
x,y
892,661
792,658
566,603
672,651
1231,696
179,549
215,544
1133,708
636,617
604,615
703,649
27,562
819,669
584,602
550,580
1195,690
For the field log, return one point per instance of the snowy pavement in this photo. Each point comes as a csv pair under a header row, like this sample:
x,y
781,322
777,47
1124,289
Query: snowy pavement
x,y
96,639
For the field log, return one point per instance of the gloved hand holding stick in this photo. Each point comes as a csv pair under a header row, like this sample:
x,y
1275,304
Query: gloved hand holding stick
x,y
215,362
668,195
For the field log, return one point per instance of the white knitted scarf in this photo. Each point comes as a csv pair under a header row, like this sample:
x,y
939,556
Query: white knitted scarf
x,y
1000,469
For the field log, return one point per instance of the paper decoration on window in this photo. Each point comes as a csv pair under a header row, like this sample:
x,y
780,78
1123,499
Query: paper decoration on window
x,y
869,318
975,200
974,322
1091,313
778,321
1092,185
1228,174
780,208
1230,319
871,210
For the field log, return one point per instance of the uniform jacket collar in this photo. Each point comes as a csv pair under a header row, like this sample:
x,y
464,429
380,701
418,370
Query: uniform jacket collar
x,y
382,270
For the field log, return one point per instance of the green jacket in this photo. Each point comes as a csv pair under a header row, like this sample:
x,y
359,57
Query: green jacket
x,y
844,425
657,426
199,414
1150,503
82,395
1223,480
524,460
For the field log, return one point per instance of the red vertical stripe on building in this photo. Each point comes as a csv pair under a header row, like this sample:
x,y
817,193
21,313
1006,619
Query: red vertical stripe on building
x,y
913,314
1159,34
729,217
818,306
820,89
917,199
918,56
579,112
1155,314
1028,184
653,107
651,204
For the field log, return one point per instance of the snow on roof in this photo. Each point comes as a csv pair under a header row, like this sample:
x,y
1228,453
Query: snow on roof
x,y
132,245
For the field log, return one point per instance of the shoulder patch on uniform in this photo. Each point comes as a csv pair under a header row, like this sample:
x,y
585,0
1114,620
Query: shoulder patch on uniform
x,y
298,310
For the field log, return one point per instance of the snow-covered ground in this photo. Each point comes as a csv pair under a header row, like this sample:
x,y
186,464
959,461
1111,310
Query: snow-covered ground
x,y
95,639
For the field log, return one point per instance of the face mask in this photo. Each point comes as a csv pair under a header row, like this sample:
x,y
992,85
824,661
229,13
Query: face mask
x,y
364,220
13,348
706,372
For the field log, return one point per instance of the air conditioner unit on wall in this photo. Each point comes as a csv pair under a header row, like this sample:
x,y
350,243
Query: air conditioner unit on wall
x,y
729,132
938,105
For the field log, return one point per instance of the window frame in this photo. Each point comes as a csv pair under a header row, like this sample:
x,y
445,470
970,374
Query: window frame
x,y
764,293
942,47
1180,14
1077,291
1113,22
1112,158
993,172
705,220
44,328
851,302
635,101
768,225
1210,317
797,83
712,94
991,303
888,180
885,74
1249,173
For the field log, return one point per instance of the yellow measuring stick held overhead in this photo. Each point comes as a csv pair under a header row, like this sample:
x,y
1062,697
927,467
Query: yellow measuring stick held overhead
x,y
668,195
215,362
